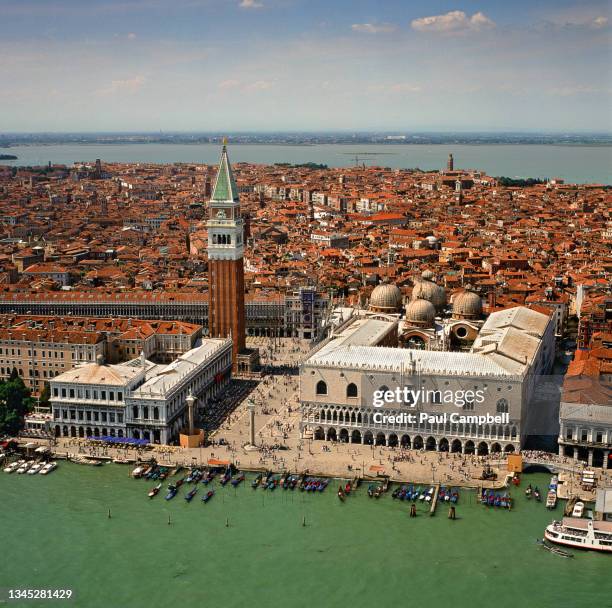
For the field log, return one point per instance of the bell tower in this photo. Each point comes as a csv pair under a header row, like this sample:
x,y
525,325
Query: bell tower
x,y
225,225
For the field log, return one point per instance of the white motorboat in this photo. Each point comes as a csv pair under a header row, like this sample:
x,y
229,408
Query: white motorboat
x,y
23,468
138,471
581,533
578,509
50,466
551,499
11,468
35,468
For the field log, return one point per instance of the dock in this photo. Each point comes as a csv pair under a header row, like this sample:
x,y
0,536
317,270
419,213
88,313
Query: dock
x,y
434,501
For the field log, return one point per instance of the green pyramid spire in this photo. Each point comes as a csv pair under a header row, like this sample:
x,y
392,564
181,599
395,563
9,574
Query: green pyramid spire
x,y
225,187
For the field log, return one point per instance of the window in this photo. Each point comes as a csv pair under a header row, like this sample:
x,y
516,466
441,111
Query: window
x,y
119,396
72,393
55,392
119,418
103,395
351,390
135,411
502,406
321,388
156,413
584,435
599,437
569,434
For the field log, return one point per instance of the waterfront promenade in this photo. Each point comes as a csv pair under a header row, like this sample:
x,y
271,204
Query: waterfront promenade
x,y
280,448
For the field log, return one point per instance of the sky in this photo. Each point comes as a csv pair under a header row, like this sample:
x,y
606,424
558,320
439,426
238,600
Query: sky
x,y
305,65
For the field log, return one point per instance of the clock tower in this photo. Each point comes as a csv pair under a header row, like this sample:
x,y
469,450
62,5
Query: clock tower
x,y
225,265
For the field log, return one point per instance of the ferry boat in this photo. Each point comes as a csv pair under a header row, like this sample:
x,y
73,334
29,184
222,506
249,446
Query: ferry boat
x,y
581,534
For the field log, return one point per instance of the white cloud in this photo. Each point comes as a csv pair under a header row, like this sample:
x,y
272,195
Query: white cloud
x,y
229,84
397,87
599,22
373,28
259,85
453,21
131,36
250,4
575,89
128,86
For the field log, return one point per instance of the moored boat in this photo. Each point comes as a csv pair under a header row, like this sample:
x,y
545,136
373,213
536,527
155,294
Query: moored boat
x,y
578,510
341,494
11,468
24,468
208,495
154,491
537,495
191,494
172,491
50,466
256,481
235,481
528,491
551,499
35,468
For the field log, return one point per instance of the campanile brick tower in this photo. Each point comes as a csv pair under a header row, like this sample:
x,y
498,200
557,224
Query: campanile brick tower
x,y
225,266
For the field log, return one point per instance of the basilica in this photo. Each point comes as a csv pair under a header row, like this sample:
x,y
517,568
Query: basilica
x,y
428,346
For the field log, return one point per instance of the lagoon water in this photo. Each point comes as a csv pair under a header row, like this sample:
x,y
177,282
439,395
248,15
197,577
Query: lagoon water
x,y
574,163
55,533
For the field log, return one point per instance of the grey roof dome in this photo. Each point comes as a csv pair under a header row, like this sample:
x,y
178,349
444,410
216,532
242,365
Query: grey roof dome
x,y
421,312
424,290
386,298
467,304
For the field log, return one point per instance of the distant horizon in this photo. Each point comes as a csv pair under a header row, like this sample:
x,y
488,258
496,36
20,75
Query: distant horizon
x,y
365,131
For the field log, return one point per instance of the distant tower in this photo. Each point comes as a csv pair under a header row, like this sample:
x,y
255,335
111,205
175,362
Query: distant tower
x,y
458,191
207,187
225,266
450,164
98,169
104,206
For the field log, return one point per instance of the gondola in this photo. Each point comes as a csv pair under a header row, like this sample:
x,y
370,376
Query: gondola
x,y
371,489
155,491
537,495
256,481
347,488
237,480
341,494
208,495
208,477
172,491
555,550
528,491
191,494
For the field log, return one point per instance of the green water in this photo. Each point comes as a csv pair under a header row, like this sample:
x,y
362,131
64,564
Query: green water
x,y
55,533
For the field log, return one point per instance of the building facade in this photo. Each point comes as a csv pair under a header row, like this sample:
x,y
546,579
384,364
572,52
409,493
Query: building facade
x,y
448,394
139,399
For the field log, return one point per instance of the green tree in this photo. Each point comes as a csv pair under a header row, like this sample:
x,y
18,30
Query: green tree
x,y
15,403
